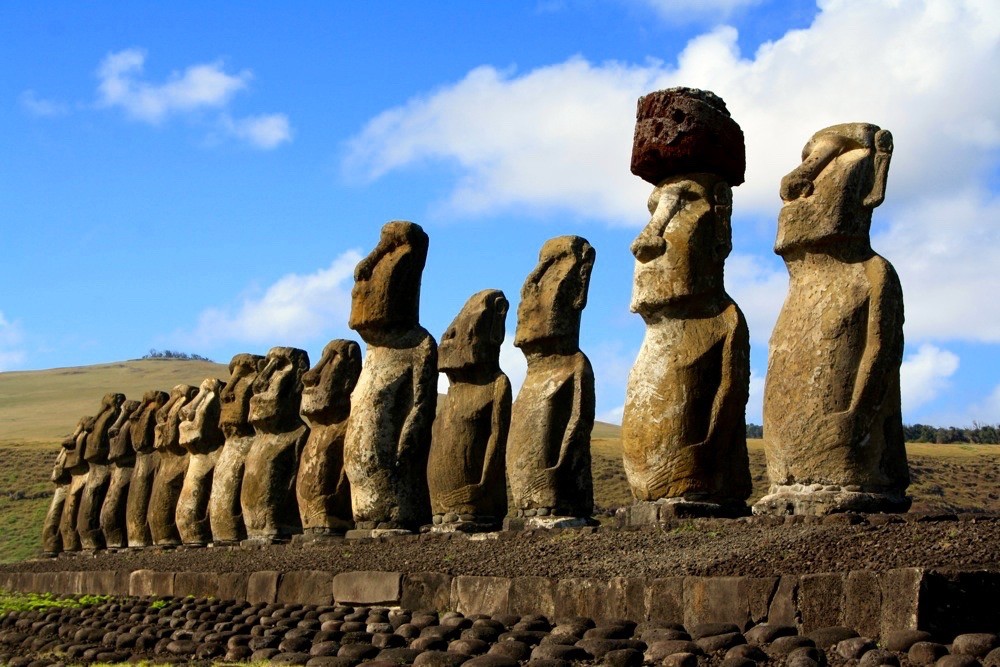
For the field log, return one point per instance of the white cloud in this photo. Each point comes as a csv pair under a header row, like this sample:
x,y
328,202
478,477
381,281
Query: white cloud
x,y
560,136
12,353
755,404
924,375
987,411
513,363
266,131
759,288
686,11
292,311
37,106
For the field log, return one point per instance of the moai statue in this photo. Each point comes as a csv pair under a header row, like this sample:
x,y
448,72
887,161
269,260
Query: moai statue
x,y
142,433
392,407
98,473
121,457
466,470
52,542
224,510
268,493
833,430
76,466
684,424
322,488
548,449
170,469
202,436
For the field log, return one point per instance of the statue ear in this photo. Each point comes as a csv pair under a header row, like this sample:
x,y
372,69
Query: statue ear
x,y
723,195
498,330
585,268
883,153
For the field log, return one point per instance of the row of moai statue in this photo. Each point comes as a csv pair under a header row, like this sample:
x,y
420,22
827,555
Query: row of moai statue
x,y
362,446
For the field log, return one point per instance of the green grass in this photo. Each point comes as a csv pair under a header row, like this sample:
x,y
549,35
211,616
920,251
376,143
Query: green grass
x,y
44,601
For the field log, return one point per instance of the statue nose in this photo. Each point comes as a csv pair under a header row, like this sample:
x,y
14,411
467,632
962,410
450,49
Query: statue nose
x,y
647,247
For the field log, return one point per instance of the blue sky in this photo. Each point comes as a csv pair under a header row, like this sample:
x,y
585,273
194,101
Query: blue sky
x,y
203,177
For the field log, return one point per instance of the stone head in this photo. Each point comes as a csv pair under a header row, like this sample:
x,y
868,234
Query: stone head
x,y
277,391
97,441
75,443
555,294
120,432
168,417
235,415
327,386
199,427
681,252
142,422
830,196
474,337
386,294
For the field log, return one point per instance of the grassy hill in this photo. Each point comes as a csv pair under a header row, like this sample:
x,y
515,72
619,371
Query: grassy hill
x,y
38,408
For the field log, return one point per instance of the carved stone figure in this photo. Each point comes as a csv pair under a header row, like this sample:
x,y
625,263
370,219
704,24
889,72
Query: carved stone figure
x,y
142,433
121,458
466,470
392,407
170,468
76,466
548,449
52,542
322,488
98,473
832,421
202,437
268,492
224,510
684,425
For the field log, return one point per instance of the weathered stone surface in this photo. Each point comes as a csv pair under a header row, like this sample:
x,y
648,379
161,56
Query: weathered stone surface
x,y
686,131
305,587
196,584
224,508
268,492
392,406
202,436
142,427
684,427
322,488
665,600
149,582
548,448
121,457
170,469
832,419
88,523
233,585
821,600
481,595
51,537
466,471
426,590
263,586
367,588
533,595
75,446
863,603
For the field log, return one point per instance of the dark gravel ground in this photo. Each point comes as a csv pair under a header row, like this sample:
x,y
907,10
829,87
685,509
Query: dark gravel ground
x,y
205,631
755,546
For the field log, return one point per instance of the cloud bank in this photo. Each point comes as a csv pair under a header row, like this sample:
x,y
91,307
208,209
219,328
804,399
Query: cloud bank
x,y
12,352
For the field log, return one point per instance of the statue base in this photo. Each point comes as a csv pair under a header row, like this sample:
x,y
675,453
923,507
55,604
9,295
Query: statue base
x,y
362,533
462,523
547,522
820,500
314,536
664,510
265,540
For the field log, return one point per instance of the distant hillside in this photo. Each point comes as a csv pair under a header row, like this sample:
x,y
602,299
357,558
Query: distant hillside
x,y
39,407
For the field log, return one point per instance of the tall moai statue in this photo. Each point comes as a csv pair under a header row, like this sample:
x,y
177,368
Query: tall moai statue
x,y
466,471
98,473
548,449
833,431
121,458
142,433
224,509
268,492
322,488
684,424
170,469
52,543
202,436
76,466
392,408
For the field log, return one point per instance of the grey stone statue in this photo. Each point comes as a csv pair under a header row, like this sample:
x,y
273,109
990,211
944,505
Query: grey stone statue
x,y
142,433
202,436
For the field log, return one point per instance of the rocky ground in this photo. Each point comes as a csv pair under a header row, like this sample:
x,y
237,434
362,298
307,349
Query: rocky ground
x,y
756,546
205,631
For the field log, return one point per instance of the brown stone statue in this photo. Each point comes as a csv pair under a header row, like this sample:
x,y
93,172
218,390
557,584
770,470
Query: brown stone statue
x,y
121,457
142,433
548,449
832,422
52,542
392,407
684,424
466,470
76,466
268,492
170,469
224,510
98,473
322,488
202,436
